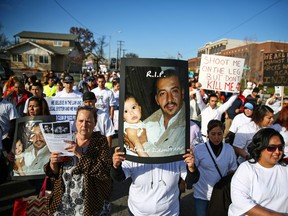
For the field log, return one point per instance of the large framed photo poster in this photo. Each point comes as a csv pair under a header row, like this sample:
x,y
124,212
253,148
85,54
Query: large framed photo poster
x,y
154,109
30,148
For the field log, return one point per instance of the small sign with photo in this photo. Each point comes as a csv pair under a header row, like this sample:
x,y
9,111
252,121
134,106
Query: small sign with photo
x,y
29,146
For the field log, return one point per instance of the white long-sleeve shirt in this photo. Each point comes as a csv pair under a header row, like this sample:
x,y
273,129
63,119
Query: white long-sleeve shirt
x,y
207,113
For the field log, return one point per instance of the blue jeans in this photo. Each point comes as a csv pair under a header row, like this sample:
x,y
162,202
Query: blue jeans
x,y
200,207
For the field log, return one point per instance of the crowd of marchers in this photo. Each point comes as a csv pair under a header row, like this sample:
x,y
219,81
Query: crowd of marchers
x,y
239,132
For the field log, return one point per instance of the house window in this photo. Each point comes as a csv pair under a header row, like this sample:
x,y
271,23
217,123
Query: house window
x,y
17,57
43,59
58,43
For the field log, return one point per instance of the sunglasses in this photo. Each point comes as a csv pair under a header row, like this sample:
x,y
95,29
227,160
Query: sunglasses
x,y
272,148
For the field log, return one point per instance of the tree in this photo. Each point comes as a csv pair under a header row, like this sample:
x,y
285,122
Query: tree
x,y
86,38
131,55
99,51
88,44
4,42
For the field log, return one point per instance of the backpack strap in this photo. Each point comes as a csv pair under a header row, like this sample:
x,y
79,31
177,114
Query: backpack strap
x,y
214,161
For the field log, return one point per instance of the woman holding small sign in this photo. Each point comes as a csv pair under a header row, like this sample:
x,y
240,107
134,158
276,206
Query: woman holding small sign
x,y
82,183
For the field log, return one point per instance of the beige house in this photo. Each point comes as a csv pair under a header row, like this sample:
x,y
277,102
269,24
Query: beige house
x,y
41,51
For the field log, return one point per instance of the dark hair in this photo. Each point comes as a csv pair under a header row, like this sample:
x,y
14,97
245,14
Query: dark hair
x,y
215,123
260,141
166,74
44,108
39,84
212,95
50,77
260,112
33,78
101,76
115,81
21,84
256,90
88,108
283,118
130,95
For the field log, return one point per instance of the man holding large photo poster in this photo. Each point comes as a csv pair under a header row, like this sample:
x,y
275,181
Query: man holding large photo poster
x,y
155,127
165,128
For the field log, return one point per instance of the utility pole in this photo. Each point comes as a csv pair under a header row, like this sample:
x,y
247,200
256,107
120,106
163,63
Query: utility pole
x,y
109,51
119,51
123,55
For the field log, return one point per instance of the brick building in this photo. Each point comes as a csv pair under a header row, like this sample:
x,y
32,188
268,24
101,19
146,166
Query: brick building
x,y
252,52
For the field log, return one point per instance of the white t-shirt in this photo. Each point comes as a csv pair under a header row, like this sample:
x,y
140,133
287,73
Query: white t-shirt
x,y
104,125
254,184
209,175
138,126
244,136
8,112
207,113
116,96
247,92
105,100
238,121
154,189
73,94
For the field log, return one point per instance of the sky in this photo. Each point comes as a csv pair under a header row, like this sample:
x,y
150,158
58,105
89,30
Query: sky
x,y
151,28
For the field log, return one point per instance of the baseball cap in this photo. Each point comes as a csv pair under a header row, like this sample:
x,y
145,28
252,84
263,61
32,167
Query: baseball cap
x,y
68,79
89,96
249,106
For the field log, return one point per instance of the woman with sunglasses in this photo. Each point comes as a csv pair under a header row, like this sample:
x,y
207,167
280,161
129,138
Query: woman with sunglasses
x,y
258,187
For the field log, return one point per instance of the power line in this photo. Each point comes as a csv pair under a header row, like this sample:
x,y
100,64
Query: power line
x,y
244,22
249,19
74,18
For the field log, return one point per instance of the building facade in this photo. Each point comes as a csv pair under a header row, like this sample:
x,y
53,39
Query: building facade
x,y
252,52
40,51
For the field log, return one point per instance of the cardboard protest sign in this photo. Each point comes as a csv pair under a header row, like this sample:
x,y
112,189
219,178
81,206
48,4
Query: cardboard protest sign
x,y
275,69
279,91
63,108
29,147
154,110
220,73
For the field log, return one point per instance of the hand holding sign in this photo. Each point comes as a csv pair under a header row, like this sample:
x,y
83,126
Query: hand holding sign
x,y
220,73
